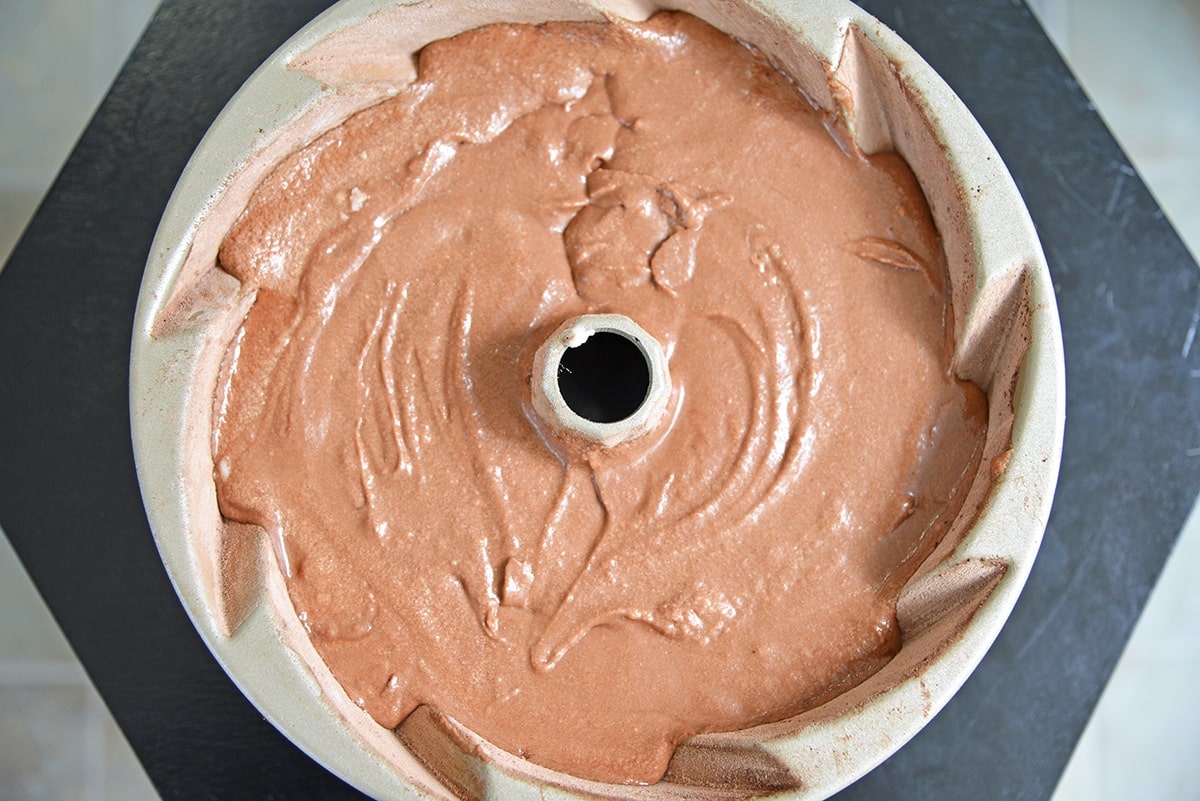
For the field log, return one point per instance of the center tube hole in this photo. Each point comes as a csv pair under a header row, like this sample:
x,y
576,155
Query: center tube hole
x,y
605,379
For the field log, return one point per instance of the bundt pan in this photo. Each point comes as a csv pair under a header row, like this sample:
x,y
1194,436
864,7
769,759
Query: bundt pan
x,y
1008,341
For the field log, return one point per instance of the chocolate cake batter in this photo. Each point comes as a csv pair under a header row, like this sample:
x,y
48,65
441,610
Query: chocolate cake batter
x,y
590,607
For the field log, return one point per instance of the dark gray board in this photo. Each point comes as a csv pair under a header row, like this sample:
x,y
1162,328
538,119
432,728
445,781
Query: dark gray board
x,y
1128,292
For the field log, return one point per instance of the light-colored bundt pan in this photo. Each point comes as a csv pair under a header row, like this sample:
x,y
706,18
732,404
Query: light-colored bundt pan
x,y
1008,342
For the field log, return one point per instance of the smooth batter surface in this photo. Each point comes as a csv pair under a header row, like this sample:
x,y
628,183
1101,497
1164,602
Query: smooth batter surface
x,y
588,609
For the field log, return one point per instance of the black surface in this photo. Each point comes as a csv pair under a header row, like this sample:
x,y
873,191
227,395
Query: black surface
x,y
1127,291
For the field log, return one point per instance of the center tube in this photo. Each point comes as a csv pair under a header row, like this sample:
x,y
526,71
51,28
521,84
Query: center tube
x,y
600,378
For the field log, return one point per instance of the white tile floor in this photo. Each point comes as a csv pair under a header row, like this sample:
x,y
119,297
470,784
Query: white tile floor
x,y
58,743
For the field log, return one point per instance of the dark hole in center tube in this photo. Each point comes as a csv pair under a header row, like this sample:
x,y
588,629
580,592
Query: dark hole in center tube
x,y
605,379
